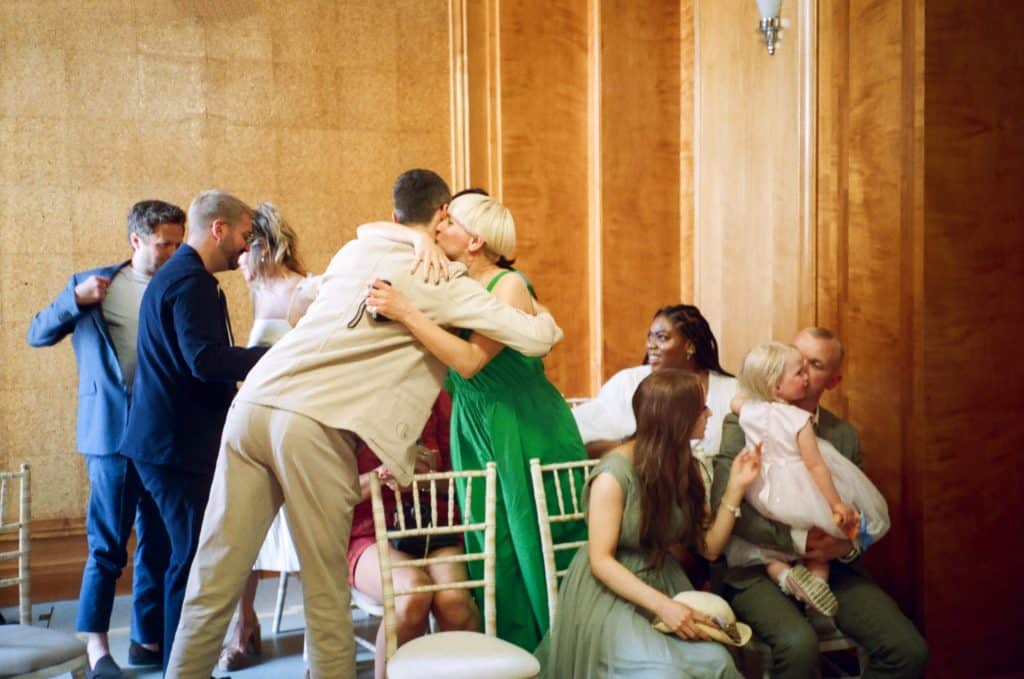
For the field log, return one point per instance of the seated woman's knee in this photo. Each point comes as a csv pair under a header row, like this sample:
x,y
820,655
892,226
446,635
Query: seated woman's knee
x,y
412,608
455,609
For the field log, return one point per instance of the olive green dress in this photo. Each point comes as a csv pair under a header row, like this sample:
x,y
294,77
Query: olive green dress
x,y
508,413
598,634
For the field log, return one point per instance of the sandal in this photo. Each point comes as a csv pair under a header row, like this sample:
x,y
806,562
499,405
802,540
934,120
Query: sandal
x,y
812,590
237,657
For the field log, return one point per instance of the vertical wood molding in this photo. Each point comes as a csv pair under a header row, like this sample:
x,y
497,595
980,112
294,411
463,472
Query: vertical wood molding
x,y
807,272
595,279
459,92
481,96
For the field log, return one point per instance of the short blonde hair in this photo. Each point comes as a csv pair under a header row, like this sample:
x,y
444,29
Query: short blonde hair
x,y
211,205
488,220
762,369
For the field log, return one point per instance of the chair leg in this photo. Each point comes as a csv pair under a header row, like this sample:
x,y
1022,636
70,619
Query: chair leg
x,y
282,592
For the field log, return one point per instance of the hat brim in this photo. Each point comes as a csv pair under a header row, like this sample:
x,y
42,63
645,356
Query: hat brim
x,y
718,635
715,633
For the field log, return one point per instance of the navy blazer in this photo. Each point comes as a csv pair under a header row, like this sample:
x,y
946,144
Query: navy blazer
x,y
187,370
102,392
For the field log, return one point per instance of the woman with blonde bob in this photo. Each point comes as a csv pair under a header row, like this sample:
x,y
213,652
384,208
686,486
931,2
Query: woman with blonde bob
x,y
504,408
804,482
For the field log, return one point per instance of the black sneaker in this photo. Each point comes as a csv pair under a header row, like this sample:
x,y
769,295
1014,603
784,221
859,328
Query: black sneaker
x,y
140,655
105,668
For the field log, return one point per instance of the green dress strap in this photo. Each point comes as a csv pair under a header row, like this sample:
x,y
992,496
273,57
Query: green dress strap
x,y
499,276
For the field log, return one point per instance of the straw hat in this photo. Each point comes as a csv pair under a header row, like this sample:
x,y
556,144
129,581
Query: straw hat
x,y
732,632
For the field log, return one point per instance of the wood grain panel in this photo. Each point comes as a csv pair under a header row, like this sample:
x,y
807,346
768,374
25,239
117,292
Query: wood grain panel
x,y
544,165
874,323
639,167
974,276
747,227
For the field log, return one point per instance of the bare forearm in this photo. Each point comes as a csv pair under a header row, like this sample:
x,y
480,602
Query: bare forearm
x,y
624,583
721,528
463,357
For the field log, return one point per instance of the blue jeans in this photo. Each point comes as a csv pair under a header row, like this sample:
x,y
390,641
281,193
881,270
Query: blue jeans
x,y
116,499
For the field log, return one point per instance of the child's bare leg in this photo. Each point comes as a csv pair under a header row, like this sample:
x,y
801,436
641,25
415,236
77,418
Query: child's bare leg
x,y
775,569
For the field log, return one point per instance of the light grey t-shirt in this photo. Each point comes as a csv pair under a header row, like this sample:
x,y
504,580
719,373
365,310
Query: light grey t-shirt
x,y
121,312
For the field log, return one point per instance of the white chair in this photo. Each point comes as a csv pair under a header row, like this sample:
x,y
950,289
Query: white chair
x,y
27,651
564,475
453,655
359,600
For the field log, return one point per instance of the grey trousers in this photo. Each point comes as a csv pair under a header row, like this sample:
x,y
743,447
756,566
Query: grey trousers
x,y
866,614
267,457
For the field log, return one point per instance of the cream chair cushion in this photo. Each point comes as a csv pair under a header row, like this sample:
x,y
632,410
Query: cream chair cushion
x,y
461,655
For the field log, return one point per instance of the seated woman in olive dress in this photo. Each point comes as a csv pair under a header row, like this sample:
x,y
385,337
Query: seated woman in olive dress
x,y
643,499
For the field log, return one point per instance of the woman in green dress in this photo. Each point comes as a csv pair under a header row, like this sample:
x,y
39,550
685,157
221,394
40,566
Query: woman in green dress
x,y
644,499
504,408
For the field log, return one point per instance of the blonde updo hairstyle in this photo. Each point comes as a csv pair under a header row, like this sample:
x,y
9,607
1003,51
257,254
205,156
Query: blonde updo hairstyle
x,y
762,369
273,244
489,220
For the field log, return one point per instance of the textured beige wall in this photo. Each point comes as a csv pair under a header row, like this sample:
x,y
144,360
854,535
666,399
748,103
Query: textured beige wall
x,y
314,105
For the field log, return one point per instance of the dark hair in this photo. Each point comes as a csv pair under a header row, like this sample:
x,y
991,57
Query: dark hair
x,y
667,404
417,194
473,189
146,215
688,320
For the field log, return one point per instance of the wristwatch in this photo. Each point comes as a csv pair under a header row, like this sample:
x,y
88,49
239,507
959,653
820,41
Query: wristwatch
x,y
732,509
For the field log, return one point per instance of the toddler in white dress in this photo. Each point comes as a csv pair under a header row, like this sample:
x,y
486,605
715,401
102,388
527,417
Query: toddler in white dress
x,y
804,482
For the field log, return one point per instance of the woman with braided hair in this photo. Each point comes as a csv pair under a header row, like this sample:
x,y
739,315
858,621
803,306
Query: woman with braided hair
x,y
679,337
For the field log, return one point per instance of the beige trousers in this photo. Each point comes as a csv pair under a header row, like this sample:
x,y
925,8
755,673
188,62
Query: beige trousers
x,y
267,457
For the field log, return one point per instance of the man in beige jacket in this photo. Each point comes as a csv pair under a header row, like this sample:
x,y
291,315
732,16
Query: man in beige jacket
x,y
293,430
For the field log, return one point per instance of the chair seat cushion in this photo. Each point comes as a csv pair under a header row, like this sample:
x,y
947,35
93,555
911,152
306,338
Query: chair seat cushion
x,y
461,655
25,649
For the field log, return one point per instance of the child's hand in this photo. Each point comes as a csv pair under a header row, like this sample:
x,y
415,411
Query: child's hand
x,y
846,517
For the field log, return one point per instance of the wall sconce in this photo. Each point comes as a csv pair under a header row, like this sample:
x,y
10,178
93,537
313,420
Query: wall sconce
x,y
770,21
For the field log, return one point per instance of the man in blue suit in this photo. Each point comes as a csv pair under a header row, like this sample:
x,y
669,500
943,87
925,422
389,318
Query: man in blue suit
x,y
100,308
186,378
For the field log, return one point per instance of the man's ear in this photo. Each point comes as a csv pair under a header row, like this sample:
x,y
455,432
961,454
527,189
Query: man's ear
x,y
834,381
218,230
394,216
135,240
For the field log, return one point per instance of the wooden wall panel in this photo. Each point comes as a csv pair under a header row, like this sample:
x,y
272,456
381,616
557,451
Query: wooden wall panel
x,y
747,227
544,157
639,172
971,473
873,318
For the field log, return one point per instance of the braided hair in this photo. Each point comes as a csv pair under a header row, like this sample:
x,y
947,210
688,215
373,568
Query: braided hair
x,y
688,320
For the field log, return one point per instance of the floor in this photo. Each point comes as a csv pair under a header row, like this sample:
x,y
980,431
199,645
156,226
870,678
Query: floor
x,y
282,654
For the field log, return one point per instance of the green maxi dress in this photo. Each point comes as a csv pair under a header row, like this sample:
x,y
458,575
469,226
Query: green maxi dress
x,y
508,413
